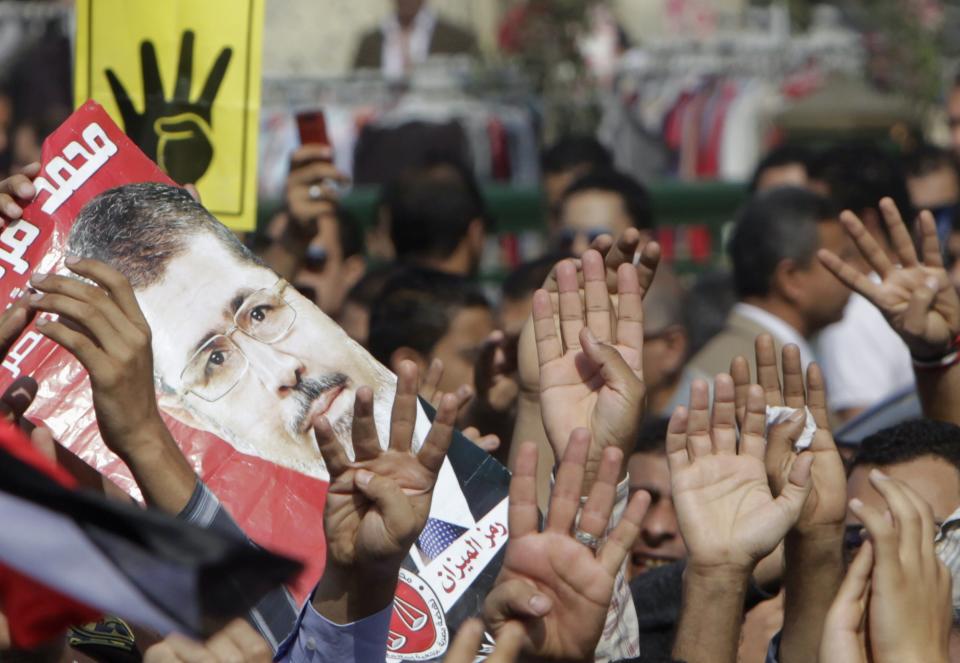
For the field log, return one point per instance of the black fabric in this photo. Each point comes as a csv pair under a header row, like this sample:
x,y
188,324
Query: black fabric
x,y
658,598
226,575
382,153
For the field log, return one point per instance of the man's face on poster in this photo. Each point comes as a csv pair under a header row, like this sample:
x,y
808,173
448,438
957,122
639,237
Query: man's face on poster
x,y
242,354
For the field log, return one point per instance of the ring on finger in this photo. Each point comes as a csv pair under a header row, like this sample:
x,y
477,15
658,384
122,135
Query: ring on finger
x,y
586,538
315,192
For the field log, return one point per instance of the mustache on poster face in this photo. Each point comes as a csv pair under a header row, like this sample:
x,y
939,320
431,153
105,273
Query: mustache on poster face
x,y
308,390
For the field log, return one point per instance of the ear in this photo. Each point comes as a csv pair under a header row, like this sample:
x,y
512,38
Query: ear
x,y
787,281
353,270
404,353
675,352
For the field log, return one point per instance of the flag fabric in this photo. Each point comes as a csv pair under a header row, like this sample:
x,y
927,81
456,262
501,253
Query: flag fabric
x,y
77,554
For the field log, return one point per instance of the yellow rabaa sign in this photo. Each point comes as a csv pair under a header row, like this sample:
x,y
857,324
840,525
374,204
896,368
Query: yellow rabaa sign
x,y
183,79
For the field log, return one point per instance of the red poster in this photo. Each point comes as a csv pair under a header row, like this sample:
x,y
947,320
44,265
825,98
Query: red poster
x,y
241,425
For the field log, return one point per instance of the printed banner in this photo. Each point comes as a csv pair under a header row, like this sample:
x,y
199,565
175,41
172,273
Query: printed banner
x,y
183,80
242,361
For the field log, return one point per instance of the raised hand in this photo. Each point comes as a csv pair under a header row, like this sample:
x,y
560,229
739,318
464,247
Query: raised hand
x,y
910,608
101,324
727,514
175,132
556,586
591,373
915,296
826,505
377,504
614,253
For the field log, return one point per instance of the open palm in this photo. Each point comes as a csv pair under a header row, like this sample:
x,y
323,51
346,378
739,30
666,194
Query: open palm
x,y
827,503
726,511
916,297
591,373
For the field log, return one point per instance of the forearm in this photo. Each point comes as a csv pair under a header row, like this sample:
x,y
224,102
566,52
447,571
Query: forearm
x,y
940,393
529,428
710,620
160,469
814,571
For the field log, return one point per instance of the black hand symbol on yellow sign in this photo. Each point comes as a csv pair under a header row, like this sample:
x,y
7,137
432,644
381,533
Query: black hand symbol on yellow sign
x,y
175,133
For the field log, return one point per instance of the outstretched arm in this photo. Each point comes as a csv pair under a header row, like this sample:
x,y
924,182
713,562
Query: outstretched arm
x,y
917,299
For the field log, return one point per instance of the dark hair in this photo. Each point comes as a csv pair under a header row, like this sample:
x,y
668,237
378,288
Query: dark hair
x,y
138,228
926,159
365,291
430,214
858,175
908,441
524,280
415,310
653,436
775,225
778,157
572,152
636,199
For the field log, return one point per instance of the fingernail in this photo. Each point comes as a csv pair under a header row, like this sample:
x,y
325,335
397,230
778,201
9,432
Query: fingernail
x,y
25,191
38,278
797,416
13,210
71,260
878,475
42,322
589,335
932,283
364,477
856,504
37,297
463,391
539,604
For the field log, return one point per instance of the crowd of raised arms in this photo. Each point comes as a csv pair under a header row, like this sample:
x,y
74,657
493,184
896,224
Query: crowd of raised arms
x,y
758,463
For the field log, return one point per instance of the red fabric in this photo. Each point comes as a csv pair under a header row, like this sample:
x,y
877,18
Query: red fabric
x,y
35,613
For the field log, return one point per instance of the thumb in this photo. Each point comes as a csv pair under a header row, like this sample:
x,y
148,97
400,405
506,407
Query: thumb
x,y
398,515
614,369
794,494
782,437
915,317
514,599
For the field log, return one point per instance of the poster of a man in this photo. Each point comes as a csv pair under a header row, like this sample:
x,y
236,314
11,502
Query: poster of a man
x,y
237,351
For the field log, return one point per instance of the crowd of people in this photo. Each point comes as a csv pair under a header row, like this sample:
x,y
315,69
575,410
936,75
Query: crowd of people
x,y
759,464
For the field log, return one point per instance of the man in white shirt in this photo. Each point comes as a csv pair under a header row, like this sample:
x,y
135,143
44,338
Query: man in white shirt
x,y
856,177
781,288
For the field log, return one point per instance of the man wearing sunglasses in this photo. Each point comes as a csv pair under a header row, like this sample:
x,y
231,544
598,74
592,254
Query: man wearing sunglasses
x,y
602,202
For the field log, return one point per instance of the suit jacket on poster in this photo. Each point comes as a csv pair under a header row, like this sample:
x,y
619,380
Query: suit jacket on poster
x,y
447,39
736,338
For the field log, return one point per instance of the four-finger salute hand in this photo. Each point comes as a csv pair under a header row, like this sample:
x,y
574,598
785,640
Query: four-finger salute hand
x,y
377,504
915,296
728,517
558,583
591,372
